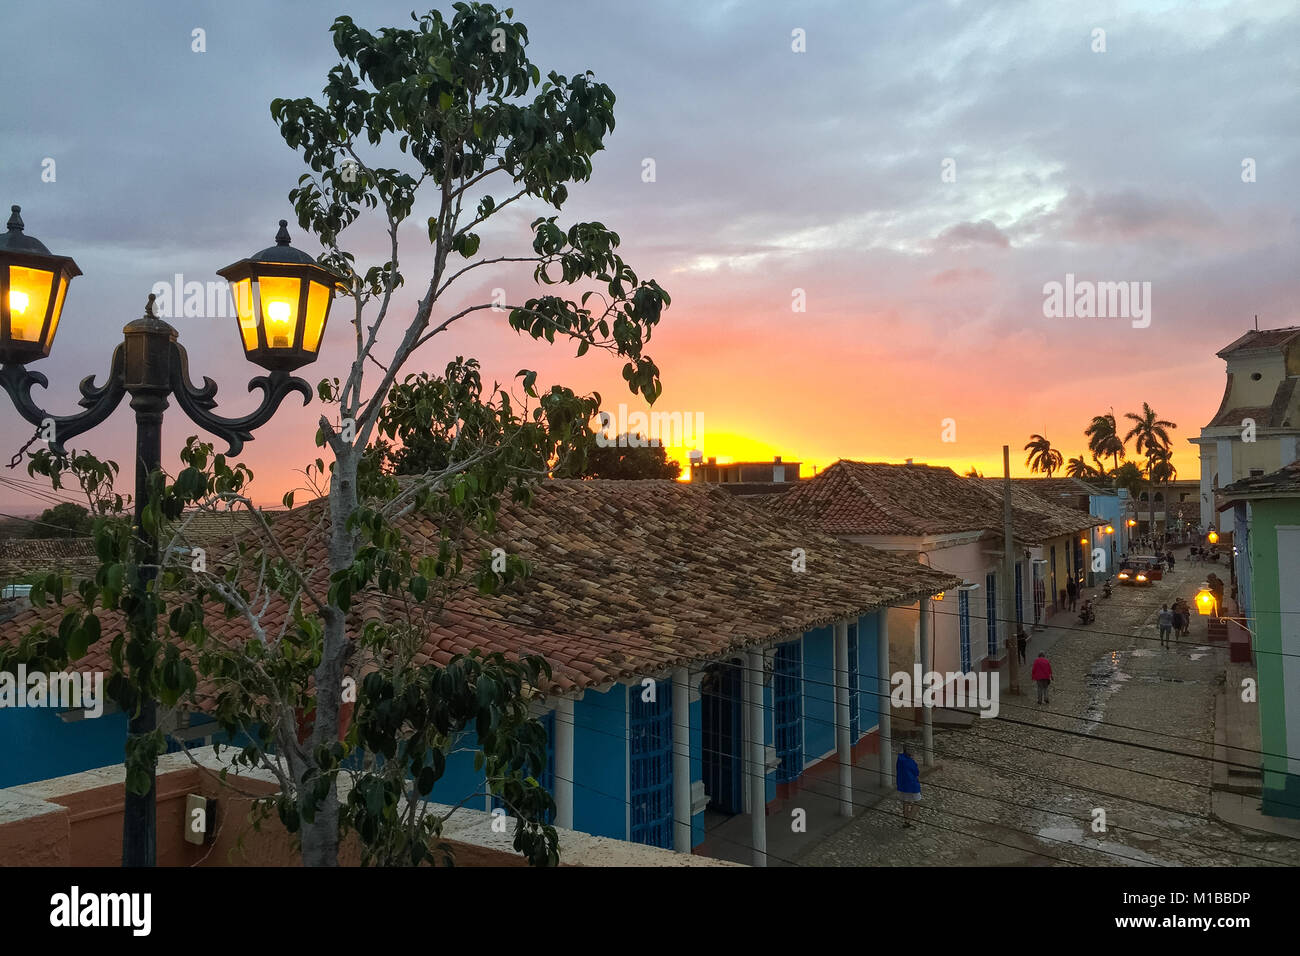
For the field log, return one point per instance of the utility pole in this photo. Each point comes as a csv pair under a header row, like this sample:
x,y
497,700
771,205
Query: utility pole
x,y
1009,569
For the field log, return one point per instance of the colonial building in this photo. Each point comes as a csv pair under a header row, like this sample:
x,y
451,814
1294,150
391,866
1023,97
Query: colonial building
x,y
1257,427
1266,511
709,658
954,524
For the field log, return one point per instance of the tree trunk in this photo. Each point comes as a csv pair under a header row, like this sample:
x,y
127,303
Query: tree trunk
x,y
320,838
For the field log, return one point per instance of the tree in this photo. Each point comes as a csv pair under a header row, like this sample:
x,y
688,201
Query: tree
x,y
1042,456
629,457
1079,468
1150,437
974,473
451,97
67,520
1103,438
464,109
1163,471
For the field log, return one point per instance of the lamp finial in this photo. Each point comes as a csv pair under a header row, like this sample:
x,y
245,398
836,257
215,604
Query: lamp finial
x,y
15,223
282,237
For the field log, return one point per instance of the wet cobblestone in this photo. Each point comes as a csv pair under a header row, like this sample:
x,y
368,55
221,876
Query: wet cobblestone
x,y
1010,792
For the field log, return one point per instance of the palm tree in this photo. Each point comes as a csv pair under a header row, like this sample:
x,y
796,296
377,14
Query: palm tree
x,y
1079,468
1150,438
1042,456
974,473
1163,471
1103,437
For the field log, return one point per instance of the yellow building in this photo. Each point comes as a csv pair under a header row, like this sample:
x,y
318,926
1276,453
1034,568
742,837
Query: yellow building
x,y
1256,430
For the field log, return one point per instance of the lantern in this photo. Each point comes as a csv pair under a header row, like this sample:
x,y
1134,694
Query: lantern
x,y
1205,600
1212,537
33,284
282,301
1110,529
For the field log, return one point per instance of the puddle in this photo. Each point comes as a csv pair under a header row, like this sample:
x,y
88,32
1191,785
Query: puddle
x,y
1143,652
1118,853
1197,657
1103,680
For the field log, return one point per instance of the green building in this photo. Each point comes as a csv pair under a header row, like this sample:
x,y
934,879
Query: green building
x,y
1268,593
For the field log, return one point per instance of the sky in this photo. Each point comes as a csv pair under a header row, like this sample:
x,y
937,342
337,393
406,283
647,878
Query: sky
x,y
914,177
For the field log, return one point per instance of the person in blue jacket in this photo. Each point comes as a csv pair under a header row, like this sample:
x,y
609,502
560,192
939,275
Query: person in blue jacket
x,y
908,780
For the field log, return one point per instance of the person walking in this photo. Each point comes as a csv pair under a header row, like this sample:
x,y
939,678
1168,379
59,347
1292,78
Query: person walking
x,y
1022,643
1165,621
908,777
1072,592
1180,616
1169,556
1041,673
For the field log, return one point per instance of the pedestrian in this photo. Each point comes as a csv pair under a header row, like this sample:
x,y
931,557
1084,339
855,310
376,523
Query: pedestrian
x,y
1169,556
1180,616
1042,676
1072,591
907,777
1022,643
1165,620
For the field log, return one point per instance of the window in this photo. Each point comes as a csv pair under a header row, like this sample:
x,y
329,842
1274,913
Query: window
x,y
1020,593
651,726
991,611
963,624
787,706
547,778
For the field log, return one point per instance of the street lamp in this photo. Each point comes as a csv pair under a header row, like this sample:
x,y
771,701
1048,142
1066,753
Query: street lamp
x,y
1212,537
286,299
1205,600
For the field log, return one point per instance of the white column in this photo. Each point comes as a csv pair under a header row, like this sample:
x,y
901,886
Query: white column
x,y
883,735
681,761
564,763
1223,450
756,769
843,740
927,713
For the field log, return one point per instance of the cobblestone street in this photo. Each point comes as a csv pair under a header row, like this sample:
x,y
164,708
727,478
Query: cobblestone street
x,y
1009,792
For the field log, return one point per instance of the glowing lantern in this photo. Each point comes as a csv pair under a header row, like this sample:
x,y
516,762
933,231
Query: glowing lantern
x,y
33,283
282,301
1212,537
1205,600
1110,529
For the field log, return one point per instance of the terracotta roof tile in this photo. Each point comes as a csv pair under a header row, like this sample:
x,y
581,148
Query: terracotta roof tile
x,y
632,578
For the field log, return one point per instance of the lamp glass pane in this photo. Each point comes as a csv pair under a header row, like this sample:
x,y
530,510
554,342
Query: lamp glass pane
x,y
279,296
242,292
318,303
29,294
58,311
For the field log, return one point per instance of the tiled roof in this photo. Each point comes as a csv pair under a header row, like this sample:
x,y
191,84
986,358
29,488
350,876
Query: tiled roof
x,y
1263,339
876,498
23,556
1286,480
631,578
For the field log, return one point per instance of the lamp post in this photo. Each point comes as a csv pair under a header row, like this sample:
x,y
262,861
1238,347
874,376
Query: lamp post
x,y
282,301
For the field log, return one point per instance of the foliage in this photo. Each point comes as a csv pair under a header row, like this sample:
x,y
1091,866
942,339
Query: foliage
x,y
627,458
67,520
1042,456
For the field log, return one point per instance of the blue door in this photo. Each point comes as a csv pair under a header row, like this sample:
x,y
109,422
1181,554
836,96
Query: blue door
x,y
787,706
991,612
721,723
855,702
651,728
547,778
963,627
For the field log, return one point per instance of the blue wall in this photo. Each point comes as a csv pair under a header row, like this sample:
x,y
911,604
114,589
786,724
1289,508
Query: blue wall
x,y
460,780
600,763
818,694
35,744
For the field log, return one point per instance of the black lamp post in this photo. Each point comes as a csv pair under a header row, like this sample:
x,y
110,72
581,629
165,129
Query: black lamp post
x,y
282,302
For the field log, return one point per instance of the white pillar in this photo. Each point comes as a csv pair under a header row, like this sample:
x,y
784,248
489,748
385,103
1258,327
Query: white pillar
x,y
843,740
883,735
756,769
564,763
681,761
927,713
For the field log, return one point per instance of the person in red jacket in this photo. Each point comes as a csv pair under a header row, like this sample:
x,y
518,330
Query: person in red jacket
x,y
1042,675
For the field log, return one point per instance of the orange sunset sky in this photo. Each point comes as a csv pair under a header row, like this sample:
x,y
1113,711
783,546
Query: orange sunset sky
x,y
775,171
